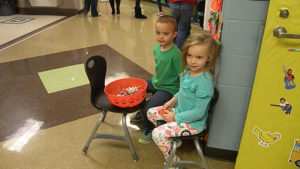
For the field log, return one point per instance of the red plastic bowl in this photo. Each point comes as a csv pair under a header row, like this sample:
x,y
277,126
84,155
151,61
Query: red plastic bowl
x,y
113,89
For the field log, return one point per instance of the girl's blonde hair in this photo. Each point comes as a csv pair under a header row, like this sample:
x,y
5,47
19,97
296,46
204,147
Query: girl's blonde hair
x,y
202,38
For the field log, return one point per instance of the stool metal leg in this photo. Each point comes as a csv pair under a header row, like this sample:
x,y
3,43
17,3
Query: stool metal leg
x,y
172,154
128,138
203,161
94,132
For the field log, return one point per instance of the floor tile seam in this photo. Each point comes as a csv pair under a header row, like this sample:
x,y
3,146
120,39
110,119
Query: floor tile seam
x,y
34,32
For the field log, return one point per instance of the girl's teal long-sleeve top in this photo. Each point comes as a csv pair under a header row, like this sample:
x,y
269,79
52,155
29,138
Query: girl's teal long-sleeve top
x,y
193,99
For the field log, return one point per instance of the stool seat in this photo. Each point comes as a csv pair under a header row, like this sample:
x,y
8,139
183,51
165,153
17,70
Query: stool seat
x,y
201,134
102,102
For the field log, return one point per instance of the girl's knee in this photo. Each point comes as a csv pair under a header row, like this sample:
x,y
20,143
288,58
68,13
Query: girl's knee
x,y
155,134
149,112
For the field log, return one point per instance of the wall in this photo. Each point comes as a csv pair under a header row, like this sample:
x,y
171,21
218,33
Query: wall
x,y
59,7
242,32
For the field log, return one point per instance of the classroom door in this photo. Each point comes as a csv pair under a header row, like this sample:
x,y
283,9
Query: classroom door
x,y
271,136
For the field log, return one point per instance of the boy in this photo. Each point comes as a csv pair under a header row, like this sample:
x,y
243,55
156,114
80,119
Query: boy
x,y
165,83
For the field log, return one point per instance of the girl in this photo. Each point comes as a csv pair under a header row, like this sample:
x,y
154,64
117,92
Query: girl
x,y
187,111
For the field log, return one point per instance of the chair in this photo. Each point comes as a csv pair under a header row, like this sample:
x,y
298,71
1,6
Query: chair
x,y
199,142
95,67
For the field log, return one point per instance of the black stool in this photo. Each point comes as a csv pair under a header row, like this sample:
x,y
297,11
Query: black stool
x,y
95,67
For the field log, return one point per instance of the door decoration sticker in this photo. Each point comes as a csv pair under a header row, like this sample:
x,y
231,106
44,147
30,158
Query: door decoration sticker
x,y
295,154
288,78
284,105
266,138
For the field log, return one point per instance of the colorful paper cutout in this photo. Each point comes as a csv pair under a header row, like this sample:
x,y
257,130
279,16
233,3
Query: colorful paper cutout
x,y
266,138
284,105
288,78
295,153
215,20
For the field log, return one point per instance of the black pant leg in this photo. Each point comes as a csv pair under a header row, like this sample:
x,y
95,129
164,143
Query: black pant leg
x,y
137,3
87,4
112,5
94,4
118,2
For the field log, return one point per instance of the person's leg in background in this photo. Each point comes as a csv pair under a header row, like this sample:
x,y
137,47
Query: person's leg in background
x,y
87,5
160,12
167,2
175,12
94,4
183,14
118,2
200,12
138,10
194,19
112,5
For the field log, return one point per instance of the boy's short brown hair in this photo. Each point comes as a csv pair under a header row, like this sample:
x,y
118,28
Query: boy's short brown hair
x,y
168,19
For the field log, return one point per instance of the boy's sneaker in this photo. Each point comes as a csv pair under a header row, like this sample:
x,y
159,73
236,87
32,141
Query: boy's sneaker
x,y
137,117
146,137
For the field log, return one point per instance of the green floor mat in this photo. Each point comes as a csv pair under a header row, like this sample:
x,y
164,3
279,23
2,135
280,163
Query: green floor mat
x,y
64,78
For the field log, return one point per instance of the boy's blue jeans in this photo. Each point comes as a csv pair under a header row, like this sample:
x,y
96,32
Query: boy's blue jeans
x,y
158,98
182,12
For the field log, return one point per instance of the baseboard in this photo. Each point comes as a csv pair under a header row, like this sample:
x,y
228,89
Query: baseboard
x,y
48,11
229,155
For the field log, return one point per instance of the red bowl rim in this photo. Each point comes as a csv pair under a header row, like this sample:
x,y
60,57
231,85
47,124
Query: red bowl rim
x,y
105,89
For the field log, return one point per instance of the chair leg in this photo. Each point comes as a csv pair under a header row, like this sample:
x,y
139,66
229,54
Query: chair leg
x,y
203,161
128,138
94,132
172,155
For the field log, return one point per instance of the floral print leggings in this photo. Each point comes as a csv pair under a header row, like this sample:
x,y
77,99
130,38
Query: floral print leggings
x,y
162,133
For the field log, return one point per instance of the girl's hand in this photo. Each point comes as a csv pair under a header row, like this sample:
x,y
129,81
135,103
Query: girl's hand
x,y
169,116
170,104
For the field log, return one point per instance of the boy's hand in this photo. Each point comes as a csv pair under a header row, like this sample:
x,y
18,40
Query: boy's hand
x,y
168,116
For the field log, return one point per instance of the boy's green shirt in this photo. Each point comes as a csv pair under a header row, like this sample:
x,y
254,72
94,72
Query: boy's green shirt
x,y
167,69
